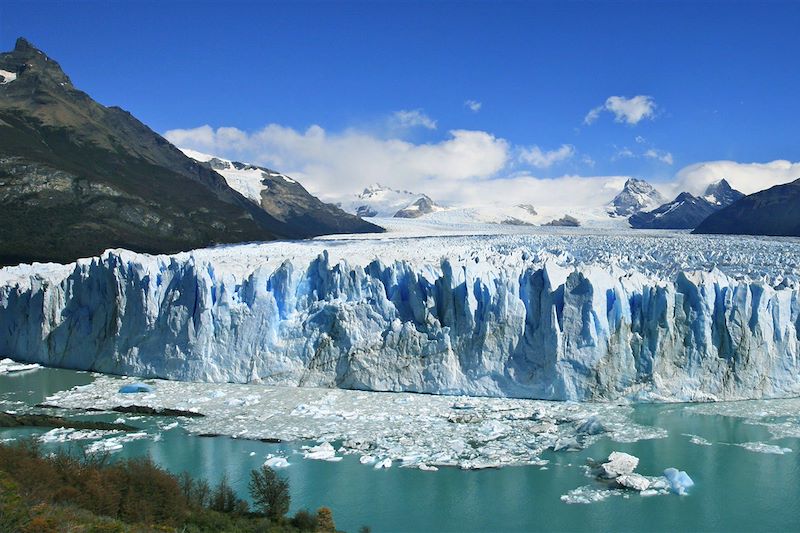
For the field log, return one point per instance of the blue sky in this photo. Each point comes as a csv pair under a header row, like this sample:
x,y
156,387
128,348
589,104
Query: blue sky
x,y
721,78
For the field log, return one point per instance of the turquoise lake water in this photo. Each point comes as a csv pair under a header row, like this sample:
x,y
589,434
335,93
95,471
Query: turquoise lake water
x,y
736,489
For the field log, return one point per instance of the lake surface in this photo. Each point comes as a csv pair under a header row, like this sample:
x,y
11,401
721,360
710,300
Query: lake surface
x,y
736,489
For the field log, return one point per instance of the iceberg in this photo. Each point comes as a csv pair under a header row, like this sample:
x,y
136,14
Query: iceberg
x,y
679,481
547,316
133,388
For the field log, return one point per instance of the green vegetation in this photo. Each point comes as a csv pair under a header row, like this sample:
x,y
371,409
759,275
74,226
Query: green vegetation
x,y
59,492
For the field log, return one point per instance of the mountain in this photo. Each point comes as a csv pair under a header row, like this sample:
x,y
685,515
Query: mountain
x,y
422,206
636,196
283,197
722,194
77,177
687,211
380,201
775,211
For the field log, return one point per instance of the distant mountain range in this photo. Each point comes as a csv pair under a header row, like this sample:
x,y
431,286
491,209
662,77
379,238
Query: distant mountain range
x,y
77,177
380,201
687,211
775,211
283,197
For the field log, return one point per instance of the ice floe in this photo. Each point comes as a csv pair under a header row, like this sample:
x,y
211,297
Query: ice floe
x,y
8,366
616,477
762,447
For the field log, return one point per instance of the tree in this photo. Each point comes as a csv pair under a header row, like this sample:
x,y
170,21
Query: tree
x,y
270,492
325,520
223,499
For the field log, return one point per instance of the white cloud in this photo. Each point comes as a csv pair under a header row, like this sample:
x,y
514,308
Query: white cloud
x,y
623,153
411,119
342,163
640,140
473,105
542,159
664,157
745,177
629,110
464,168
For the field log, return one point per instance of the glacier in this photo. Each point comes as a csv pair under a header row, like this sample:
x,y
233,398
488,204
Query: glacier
x,y
580,315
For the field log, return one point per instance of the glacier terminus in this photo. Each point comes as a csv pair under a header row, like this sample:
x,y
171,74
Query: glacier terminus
x,y
545,314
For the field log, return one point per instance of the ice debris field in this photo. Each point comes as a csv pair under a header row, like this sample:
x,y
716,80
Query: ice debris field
x,y
384,429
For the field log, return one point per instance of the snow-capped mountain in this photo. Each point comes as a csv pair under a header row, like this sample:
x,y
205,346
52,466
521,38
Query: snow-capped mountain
x,y
775,211
79,177
380,201
284,198
636,196
687,211
722,194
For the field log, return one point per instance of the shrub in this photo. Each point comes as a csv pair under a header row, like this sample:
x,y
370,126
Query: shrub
x,y
325,520
304,520
13,511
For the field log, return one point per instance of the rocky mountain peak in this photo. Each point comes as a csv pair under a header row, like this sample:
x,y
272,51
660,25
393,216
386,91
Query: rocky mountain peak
x,y
721,193
636,196
33,67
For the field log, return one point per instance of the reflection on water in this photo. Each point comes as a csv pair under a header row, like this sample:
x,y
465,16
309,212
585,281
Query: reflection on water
x,y
736,489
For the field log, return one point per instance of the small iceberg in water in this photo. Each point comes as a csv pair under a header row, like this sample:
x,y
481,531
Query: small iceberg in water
x,y
133,388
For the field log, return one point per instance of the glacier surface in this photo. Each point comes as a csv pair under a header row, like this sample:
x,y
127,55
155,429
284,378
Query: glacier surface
x,y
578,315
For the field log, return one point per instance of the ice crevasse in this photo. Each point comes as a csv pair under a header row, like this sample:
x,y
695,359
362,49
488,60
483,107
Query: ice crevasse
x,y
535,327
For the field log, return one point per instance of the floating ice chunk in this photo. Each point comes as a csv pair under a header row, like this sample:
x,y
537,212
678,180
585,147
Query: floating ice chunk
x,y
423,466
367,459
762,447
133,388
588,494
566,444
679,481
8,366
649,492
322,452
694,439
386,463
633,481
279,462
619,463
591,426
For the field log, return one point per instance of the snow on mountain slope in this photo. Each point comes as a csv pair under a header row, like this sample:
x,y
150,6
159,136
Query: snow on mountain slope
x,y
636,195
249,180
585,315
284,199
380,201
524,214
7,76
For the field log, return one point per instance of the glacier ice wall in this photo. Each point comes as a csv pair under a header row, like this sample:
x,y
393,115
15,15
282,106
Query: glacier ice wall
x,y
531,328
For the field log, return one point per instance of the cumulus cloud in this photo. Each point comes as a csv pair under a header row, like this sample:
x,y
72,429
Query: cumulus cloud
x,y
628,110
545,159
341,163
465,167
411,119
473,105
